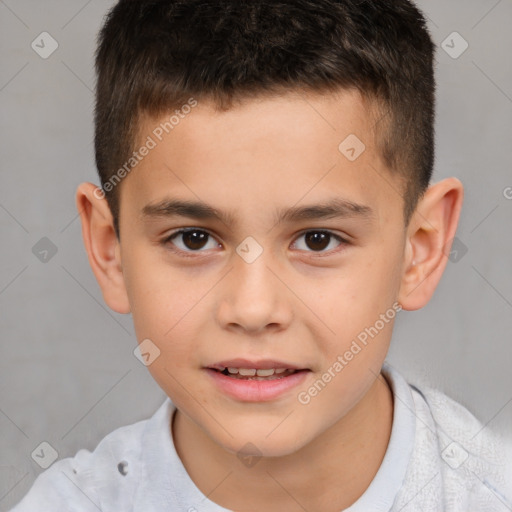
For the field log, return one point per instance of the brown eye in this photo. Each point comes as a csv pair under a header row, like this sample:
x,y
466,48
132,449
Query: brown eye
x,y
192,240
318,241
195,239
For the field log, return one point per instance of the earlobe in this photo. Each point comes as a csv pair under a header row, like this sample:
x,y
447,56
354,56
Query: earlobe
x,y
102,246
428,242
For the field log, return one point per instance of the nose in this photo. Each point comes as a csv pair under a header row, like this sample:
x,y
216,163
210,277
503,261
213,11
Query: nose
x,y
254,298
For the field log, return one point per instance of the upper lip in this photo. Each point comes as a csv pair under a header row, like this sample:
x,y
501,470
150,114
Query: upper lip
x,y
262,364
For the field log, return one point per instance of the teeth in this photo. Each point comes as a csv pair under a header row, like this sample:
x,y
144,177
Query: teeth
x,y
265,373
251,372
247,372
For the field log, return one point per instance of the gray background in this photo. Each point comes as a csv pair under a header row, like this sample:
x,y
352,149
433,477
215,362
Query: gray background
x,y
68,375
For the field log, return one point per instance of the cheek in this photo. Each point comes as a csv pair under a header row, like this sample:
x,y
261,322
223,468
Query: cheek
x,y
357,297
360,307
159,295
168,309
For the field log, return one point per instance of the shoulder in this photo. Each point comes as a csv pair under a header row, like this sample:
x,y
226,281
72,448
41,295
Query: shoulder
x,y
475,461
102,480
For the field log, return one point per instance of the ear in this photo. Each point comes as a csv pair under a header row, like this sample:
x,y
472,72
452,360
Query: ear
x,y
102,245
428,242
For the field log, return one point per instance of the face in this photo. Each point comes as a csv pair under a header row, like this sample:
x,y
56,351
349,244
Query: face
x,y
292,260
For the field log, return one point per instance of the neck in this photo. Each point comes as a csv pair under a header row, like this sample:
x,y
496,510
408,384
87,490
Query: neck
x,y
330,473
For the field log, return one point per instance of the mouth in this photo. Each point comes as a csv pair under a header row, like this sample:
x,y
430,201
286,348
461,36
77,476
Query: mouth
x,y
257,374
264,369
256,381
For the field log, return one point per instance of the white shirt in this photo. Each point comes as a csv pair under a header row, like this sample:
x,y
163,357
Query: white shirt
x,y
439,459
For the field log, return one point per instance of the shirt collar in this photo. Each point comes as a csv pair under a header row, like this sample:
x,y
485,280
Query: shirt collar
x,y
383,489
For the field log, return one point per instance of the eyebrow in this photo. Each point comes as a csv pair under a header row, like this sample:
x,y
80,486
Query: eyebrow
x,y
333,208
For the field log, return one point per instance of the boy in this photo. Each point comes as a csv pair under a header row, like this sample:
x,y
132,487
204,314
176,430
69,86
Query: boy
x,y
291,143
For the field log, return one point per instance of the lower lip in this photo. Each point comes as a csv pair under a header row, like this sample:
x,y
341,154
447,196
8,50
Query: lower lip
x,y
256,390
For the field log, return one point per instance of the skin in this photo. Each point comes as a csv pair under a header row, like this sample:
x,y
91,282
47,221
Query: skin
x,y
293,303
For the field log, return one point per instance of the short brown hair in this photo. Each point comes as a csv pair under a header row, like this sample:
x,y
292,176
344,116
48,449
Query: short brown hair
x,y
153,55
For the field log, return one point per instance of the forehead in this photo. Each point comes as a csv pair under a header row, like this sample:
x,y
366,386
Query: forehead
x,y
277,122
277,151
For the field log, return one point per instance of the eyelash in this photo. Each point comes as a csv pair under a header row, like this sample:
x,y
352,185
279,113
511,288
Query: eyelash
x,y
191,254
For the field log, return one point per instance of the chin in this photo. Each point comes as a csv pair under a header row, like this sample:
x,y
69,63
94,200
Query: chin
x,y
257,441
